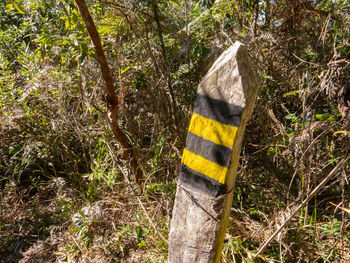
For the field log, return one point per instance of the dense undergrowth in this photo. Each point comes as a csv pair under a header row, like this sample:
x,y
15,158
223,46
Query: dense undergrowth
x,y
67,196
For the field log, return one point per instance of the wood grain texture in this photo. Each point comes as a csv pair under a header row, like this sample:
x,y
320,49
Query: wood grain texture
x,y
200,220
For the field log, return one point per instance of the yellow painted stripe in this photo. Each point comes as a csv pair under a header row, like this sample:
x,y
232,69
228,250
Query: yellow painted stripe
x,y
212,130
203,166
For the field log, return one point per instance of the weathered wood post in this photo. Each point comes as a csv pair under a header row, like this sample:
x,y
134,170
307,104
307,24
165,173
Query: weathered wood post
x,y
225,101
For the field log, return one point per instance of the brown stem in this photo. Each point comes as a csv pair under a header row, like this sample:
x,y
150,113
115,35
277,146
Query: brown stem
x,y
256,16
110,96
166,67
268,14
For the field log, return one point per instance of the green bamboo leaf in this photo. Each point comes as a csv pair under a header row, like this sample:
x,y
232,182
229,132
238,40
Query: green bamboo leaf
x,y
9,7
325,117
125,70
20,9
139,232
293,92
341,132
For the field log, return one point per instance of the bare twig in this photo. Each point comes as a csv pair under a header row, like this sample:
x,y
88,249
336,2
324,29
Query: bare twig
x,y
301,158
142,206
311,195
150,220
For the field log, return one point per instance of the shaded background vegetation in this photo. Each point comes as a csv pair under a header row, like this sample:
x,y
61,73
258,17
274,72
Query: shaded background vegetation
x,y
67,196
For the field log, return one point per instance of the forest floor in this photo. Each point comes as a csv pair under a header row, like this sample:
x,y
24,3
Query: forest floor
x,y
52,221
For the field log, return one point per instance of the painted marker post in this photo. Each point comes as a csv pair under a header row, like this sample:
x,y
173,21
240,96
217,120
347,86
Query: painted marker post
x,y
225,101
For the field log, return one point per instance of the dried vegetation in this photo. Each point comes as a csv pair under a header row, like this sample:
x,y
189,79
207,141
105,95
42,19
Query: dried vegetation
x,y
67,196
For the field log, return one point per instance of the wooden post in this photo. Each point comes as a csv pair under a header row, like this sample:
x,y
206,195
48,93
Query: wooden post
x,y
225,101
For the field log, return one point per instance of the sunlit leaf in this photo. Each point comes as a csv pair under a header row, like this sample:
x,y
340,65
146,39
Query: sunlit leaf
x,y
294,92
9,7
20,9
341,132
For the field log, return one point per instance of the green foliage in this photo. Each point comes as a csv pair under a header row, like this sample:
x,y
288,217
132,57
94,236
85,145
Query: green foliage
x,y
81,227
54,136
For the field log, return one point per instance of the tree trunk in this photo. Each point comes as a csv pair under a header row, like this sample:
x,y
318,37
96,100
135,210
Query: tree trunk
x,y
111,98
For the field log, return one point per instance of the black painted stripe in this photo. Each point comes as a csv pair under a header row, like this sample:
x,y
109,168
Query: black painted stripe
x,y
209,150
201,182
218,110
